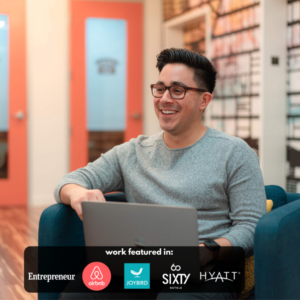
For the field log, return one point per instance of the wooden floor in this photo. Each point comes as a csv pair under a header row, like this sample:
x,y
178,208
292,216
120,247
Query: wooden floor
x,y
18,230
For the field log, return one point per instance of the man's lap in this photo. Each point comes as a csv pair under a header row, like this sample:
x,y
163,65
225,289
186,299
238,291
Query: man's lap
x,y
160,296
195,293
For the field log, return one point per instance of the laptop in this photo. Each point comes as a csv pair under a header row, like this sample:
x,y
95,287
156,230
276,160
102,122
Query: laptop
x,y
130,224
117,224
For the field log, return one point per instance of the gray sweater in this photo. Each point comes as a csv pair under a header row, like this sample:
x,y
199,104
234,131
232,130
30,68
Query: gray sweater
x,y
219,176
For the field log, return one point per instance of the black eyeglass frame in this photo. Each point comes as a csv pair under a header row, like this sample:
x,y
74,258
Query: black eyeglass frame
x,y
174,86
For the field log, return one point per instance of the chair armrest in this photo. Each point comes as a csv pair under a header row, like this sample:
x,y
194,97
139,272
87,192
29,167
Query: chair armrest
x,y
61,226
277,252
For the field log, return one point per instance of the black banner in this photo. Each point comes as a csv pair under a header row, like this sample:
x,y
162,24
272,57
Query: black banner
x,y
133,269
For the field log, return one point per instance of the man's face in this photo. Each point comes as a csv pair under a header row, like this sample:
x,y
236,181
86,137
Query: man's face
x,y
187,110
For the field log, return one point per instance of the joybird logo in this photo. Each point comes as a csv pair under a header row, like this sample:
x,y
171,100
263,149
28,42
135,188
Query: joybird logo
x,y
134,279
96,276
136,274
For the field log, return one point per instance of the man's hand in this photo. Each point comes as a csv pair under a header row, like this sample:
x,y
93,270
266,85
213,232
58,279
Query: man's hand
x,y
206,255
74,195
224,254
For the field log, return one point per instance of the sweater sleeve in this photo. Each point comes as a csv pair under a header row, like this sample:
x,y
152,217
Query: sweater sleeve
x,y
104,174
246,193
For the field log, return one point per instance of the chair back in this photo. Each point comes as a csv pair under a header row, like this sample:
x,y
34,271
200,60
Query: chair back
x,y
277,194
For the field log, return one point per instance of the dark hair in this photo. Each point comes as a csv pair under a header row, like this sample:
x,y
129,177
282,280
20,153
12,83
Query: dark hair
x,y
205,73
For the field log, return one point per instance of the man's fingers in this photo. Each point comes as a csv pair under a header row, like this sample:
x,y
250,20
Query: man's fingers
x,y
95,195
90,195
78,208
99,196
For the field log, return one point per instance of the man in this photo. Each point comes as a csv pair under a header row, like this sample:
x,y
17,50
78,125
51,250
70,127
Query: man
x,y
187,164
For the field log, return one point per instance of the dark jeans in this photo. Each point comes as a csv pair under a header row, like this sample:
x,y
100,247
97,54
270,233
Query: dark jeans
x,y
195,293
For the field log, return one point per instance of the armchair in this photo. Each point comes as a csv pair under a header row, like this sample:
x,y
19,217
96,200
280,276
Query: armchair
x,y
276,242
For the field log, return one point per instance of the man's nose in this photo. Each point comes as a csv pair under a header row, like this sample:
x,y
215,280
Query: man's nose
x,y
166,96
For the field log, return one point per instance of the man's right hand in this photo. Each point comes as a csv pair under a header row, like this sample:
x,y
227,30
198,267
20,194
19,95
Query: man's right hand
x,y
73,195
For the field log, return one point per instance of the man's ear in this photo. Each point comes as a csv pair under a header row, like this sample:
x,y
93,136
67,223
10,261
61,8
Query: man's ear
x,y
206,98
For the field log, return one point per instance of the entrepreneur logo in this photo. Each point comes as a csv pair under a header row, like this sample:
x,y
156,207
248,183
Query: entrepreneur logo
x,y
96,276
136,276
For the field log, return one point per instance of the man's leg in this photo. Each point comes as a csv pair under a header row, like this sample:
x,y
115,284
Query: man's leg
x,y
98,296
217,291
201,296
68,295
198,295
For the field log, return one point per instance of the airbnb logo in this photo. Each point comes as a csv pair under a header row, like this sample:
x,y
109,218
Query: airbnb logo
x,y
96,276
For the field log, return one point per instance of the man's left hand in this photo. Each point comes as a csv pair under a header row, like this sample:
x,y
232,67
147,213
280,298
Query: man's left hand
x,y
206,255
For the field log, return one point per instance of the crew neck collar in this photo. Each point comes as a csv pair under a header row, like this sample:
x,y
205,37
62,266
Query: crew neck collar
x,y
201,139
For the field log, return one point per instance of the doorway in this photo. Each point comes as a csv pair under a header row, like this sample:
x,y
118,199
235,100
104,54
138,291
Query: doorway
x,y
13,112
106,88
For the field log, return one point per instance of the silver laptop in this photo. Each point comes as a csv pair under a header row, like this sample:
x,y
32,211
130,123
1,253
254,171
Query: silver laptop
x,y
130,224
113,224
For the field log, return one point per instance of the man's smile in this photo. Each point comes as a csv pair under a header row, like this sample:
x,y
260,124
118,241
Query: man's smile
x,y
168,112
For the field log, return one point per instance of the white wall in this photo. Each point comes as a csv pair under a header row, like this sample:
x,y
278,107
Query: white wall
x,y
153,18
273,92
48,89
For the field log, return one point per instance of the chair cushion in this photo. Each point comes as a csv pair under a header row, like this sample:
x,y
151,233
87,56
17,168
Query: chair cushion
x,y
276,194
269,205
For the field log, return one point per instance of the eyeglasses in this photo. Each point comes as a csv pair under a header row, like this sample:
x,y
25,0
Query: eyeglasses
x,y
176,91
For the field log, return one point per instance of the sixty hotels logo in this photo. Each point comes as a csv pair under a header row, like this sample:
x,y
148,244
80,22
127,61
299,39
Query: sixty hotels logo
x,y
176,279
136,276
96,276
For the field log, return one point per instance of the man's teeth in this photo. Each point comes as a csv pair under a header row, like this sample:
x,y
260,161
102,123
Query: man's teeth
x,y
169,112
